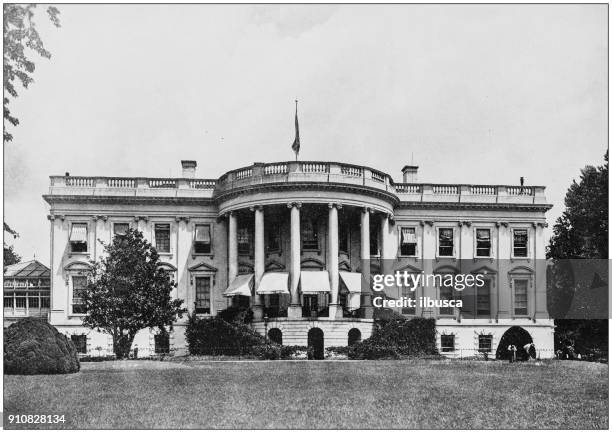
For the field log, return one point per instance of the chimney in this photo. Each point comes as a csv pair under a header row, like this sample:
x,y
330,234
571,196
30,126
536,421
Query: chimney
x,y
189,169
410,173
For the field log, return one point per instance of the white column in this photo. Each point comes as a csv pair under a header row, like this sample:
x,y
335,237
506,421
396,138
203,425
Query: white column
x,y
335,310
385,254
295,310
260,264
365,262
232,250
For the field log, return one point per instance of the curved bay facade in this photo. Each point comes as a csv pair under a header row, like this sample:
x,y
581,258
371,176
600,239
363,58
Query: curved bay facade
x,y
295,241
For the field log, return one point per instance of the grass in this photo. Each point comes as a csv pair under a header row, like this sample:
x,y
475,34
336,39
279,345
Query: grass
x,y
318,394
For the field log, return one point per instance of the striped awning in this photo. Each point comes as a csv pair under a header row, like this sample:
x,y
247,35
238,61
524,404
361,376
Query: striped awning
x,y
202,233
314,281
78,232
274,283
240,286
352,280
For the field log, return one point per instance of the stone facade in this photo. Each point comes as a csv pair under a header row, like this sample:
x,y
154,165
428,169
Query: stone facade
x,y
257,230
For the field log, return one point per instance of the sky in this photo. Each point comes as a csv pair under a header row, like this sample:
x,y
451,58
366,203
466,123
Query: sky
x,y
470,93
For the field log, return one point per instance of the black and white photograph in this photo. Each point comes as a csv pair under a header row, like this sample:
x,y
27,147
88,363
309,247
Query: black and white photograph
x,y
291,216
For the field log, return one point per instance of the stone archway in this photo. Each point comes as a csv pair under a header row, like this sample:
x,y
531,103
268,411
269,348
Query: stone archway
x,y
275,335
354,336
517,336
316,343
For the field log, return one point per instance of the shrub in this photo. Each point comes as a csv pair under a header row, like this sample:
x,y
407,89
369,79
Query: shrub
x,y
32,346
215,336
236,315
397,338
336,352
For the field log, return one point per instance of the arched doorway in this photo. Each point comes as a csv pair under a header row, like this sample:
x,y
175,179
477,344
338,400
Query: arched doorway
x,y
275,335
516,336
316,343
354,336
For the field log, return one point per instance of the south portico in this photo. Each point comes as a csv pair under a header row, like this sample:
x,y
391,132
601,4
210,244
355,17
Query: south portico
x,y
309,272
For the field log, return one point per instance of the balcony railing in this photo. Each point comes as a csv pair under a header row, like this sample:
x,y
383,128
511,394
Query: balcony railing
x,y
295,171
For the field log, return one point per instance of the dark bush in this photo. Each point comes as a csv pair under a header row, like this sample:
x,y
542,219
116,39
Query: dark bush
x,y
32,346
397,338
215,336
236,315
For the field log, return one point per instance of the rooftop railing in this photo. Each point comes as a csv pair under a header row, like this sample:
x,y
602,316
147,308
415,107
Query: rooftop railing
x,y
297,172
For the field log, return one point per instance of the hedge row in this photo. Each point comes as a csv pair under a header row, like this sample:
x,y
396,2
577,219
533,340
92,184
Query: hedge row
x,y
398,338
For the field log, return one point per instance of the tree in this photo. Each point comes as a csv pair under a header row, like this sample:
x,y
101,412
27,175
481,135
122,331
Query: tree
x,y
127,291
10,257
581,232
20,33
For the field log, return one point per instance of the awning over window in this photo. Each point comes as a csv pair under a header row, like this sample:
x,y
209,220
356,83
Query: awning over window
x,y
408,235
202,233
352,280
274,283
78,232
314,281
241,286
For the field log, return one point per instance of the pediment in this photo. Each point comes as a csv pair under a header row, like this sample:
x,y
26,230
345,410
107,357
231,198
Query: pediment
x,y
521,270
446,269
202,267
484,270
77,266
274,265
312,263
167,266
344,265
409,268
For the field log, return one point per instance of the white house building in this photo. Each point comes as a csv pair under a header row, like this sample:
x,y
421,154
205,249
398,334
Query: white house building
x,y
294,241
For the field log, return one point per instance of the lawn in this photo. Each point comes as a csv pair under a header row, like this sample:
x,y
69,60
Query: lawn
x,y
318,394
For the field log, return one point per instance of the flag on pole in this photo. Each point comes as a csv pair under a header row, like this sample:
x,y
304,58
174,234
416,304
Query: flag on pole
x,y
296,142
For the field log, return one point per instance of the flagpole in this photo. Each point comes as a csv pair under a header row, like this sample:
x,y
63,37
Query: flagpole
x,y
297,151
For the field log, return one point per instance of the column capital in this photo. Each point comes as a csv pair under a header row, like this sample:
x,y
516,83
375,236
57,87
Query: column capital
x,y
336,205
100,217
466,223
257,207
297,204
51,217
426,222
541,224
366,209
182,218
141,217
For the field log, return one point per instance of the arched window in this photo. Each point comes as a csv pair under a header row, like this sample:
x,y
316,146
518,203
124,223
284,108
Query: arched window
x,y
354,336
275,335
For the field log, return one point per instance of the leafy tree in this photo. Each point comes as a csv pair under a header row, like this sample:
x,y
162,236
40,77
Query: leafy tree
x,y
581,232
127,291
20,33
10,257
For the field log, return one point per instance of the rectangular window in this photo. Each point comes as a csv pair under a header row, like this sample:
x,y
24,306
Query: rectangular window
x,y
447,343
8,300
410,294
519,243
162,343
45,301
79,285
162,238
485,343
273,238
483,243
78,238
483,299
33,301
202,295
520,297
202,242
445,242
244,241
374,250
80,342
343,239
446,293
408,241
120,229
310,235
20,302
